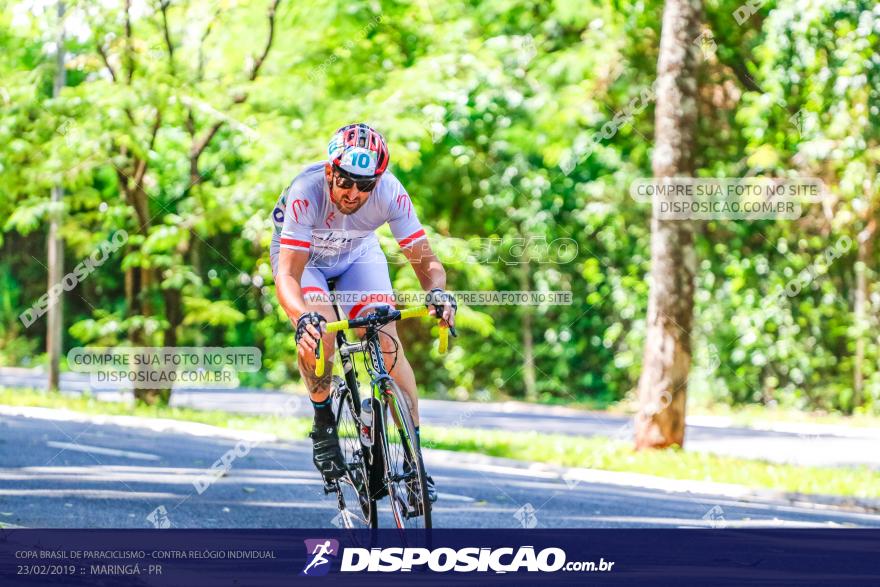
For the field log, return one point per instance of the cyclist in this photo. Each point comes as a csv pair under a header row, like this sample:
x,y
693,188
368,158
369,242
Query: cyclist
x,y
325,224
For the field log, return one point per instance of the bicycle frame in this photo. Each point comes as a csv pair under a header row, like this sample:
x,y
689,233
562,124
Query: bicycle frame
x,y
386,395
370,345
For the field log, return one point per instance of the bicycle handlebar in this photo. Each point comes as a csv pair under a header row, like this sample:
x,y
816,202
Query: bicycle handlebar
x,y
376,319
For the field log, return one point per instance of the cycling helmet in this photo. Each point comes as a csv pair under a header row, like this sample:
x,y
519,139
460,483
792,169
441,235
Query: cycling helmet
x,y
358,151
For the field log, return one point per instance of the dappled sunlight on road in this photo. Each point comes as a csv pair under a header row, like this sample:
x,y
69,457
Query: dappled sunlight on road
x,y
68,473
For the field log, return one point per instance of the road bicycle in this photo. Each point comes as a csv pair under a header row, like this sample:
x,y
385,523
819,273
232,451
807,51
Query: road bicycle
x,y
377,434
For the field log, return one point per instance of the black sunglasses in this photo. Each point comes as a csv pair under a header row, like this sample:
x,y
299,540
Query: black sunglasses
x,y
345,182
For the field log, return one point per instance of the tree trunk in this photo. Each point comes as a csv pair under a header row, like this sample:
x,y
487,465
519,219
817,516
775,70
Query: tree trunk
x,y
55,244
866,247
55,321
667,356
173,313
528,340
141,283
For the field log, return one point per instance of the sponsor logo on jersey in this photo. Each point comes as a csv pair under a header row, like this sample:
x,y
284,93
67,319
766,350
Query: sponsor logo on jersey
x,y
404,203
298,206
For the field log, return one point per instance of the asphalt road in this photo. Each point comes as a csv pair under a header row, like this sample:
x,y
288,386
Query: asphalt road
x,y
811,445
85,474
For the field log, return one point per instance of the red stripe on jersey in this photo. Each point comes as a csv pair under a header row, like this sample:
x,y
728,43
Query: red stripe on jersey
x,y
412,237
312,289
295,243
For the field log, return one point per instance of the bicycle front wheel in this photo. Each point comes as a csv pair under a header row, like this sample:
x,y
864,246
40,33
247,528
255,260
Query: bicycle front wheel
x,y
356,508
404,469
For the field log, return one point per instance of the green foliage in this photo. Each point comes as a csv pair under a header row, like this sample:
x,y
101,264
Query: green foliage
x,y
202,311
483,104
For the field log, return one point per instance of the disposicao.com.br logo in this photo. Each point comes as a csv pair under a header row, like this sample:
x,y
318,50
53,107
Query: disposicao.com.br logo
x,y
464,560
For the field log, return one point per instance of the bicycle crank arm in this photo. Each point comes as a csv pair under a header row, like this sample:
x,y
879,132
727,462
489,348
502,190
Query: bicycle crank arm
x,y
408,477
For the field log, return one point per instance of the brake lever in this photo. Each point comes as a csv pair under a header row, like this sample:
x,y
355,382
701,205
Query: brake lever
x,y
438,312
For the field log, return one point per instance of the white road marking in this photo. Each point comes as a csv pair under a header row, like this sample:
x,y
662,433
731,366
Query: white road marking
x,y
111,452
154,424
454,497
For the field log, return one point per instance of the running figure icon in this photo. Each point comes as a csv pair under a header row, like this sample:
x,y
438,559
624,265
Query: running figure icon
x,y
320,550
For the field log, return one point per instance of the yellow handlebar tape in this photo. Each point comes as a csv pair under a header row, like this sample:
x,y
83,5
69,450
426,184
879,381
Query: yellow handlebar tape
x,y
404,314
413,312
336,326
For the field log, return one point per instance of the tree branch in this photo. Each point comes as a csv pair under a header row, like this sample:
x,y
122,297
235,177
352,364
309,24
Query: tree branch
x,y
131,196
141,167
190,123
129,56
106,61
259,61
157,122
199,146
195,177
163,6
123,182
742,74
200,72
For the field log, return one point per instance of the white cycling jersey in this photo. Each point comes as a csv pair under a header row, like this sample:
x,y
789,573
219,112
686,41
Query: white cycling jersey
x,y
341,246
307,220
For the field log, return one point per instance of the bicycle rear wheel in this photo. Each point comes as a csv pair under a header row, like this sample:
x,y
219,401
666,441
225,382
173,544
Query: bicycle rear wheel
x,y
356,508
404,469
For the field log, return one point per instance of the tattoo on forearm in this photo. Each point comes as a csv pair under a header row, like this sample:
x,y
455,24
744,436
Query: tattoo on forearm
x,y
314,383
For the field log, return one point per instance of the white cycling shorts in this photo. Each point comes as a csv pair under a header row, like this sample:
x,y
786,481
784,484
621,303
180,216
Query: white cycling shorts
x,y
362,280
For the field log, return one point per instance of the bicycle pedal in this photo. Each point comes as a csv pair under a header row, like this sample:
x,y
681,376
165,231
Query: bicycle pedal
x,y
331,486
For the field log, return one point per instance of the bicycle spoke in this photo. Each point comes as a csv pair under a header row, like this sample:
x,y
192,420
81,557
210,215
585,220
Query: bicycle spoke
x,y
356,509
405,471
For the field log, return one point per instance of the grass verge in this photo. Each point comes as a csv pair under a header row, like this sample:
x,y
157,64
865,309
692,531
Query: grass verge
x,y
572,451
613,455
755,415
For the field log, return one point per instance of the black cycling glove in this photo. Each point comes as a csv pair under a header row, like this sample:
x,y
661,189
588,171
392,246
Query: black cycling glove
x,y
312,318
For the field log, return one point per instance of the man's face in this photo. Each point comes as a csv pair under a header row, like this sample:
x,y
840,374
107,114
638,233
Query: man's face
x,y
347,199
